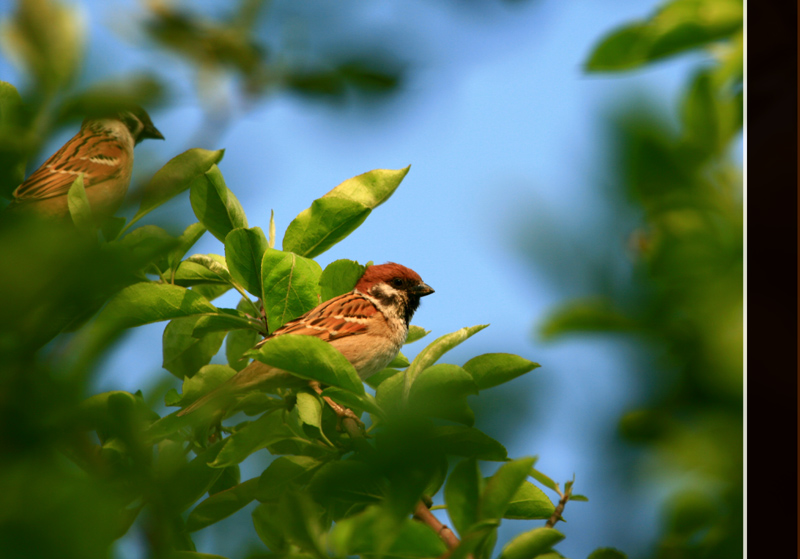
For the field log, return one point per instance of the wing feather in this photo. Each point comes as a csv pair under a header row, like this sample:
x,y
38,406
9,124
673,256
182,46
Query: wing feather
x,y
337,318
96,155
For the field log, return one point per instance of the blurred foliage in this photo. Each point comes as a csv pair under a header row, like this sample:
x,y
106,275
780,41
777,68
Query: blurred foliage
x,y
681,294
80,471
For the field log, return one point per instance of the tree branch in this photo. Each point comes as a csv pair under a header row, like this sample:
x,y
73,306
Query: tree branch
x,y
556,516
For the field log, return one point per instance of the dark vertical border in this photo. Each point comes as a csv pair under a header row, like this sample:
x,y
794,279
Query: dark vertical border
x,y
772,290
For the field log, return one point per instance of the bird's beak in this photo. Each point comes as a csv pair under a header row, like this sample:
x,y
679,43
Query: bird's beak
x,y
150,131
422,289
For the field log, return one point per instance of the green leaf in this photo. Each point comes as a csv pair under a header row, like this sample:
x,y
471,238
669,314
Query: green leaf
x,y
224,320
254,436
78,204
543,479
183,353
221,505
399,362
468,442
147,302
416,333
201,269
325,223
434,351
186,241
337,214
492,369
244,250
206,379
607,553
347,481
310,358
240,341
111,227
189,483
215,205
289,286
678,26
283,473
176,176
577,497
623,49
502,487
529,503
377,379
143,242
440,391
585,315
309,408
530,544
292,520
366,535
462,493
339,277
271,241
12,159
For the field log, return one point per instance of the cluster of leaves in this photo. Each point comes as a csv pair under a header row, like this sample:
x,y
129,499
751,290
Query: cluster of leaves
x,y
329,493
684,294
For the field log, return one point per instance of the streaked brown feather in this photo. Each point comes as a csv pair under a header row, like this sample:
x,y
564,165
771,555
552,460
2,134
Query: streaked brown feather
x,y
328,322
93,152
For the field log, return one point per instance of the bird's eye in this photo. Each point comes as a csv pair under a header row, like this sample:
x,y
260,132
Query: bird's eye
x,y
397,282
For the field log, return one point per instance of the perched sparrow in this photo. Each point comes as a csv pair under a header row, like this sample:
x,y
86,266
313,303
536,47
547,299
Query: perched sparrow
x,y
103,152
369,325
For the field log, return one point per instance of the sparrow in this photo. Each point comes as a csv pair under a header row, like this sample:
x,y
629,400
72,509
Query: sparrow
x,y
368,326
102,151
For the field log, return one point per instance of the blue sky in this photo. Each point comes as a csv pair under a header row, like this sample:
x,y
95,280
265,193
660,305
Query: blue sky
x,y
500,126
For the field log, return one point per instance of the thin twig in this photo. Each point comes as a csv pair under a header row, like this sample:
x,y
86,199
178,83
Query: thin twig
x,y
424,515
556,516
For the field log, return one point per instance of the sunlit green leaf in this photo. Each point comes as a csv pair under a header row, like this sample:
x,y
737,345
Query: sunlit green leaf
x,y
78,204
416,333
434,351
310,358
337,214
182,353
530,544
215,205
502,487
290,284
176,176
529,503
339,277
492,369
244,250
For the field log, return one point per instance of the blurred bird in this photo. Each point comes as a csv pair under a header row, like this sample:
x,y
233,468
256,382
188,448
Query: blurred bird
x,y
102,151
368,326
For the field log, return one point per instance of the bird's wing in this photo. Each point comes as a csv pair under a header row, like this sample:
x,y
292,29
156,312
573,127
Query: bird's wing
x,y
99,157
337,318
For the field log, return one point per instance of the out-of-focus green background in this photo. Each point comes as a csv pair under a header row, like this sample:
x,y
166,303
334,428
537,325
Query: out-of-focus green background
x,y
587,203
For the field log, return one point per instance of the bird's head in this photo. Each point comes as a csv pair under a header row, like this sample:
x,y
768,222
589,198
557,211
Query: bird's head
x,y
393,284
138,122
